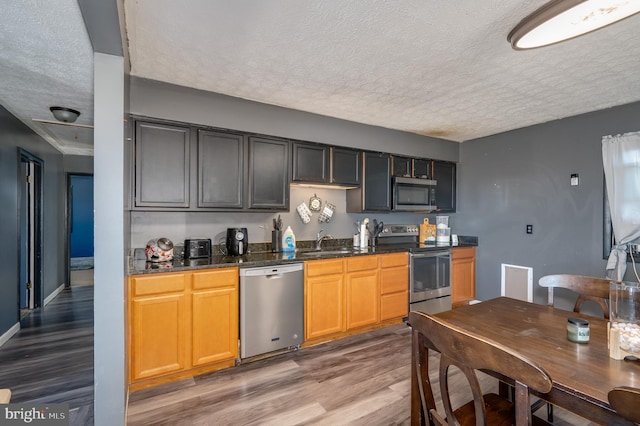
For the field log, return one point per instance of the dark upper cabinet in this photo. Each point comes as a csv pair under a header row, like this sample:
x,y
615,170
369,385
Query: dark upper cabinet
x,y
268,174
310,162
375,191
421,168
445,175
161,165
345,166
401,166
221,169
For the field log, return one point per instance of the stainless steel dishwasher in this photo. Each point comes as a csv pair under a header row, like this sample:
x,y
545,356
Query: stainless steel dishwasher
x,y
271,308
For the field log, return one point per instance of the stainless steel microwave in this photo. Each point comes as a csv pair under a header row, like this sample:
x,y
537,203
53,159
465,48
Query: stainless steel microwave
x,y
412,194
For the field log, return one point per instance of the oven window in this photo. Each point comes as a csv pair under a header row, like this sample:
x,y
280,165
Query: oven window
x,y
430,273
408,195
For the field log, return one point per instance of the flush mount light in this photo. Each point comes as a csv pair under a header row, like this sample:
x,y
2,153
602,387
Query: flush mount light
x,y
561,20
66,115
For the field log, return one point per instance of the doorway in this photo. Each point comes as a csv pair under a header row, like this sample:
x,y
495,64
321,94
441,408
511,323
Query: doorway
x,y
80,228
30,253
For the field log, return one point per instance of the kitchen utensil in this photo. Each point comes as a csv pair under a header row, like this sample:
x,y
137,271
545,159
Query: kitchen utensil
x,y
427,232
237,241
277,224
159,250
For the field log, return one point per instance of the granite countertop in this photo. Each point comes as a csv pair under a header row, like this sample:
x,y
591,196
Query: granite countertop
x,y
266,258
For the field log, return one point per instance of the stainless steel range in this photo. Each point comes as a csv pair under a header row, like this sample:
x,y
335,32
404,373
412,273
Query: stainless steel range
x,y
429,268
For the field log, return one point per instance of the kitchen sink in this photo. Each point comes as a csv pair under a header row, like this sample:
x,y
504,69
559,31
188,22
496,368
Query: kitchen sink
x,y
326,252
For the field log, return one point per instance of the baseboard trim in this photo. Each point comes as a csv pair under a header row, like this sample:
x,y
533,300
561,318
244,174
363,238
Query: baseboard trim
x,y
9,334
53,295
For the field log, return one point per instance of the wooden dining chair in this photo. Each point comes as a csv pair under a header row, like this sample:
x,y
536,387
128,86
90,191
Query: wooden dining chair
x,y
587,288
626,400
469,353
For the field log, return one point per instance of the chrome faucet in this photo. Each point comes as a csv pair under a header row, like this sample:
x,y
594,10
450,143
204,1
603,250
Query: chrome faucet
x,y
320,238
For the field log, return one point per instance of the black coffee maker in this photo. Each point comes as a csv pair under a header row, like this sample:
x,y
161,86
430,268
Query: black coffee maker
x,y
237,241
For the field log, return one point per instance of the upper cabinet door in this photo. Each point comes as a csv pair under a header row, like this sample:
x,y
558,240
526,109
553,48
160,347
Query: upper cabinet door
x,y
221,170
401,166
377,182
421,168
345,166
268,174
445,175
162,165
310,163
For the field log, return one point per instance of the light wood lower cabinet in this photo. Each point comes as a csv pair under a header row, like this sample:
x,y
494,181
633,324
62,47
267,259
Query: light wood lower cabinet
x,y
394,285
160,328
214,320
324,297
179,322
463,275
351,293
363,291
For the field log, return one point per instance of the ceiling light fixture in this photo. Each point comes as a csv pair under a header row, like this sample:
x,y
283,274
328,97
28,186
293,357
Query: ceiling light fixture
x,y
66,115
561,20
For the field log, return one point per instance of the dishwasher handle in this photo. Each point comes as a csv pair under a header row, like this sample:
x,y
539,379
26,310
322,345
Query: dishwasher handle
x,y
271,271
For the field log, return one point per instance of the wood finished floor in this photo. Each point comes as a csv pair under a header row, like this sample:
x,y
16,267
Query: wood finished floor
x,y
50,360
359,380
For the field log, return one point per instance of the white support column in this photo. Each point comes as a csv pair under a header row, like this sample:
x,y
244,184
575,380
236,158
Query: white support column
x,y
109,353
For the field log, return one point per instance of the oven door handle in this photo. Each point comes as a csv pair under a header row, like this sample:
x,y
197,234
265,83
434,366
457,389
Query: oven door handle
x,y
430,254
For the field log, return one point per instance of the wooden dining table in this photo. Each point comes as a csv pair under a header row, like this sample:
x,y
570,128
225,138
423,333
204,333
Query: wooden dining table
x,y
582,373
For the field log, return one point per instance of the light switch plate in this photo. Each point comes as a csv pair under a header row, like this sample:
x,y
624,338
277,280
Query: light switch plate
x,y
575,179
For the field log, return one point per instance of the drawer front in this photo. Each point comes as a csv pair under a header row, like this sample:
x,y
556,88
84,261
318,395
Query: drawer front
x,y
395,259
393,280
394,305
462,252
156,284
316,268
362,263
226,277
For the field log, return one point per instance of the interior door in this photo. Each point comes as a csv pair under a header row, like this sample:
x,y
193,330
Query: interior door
x,y
30,232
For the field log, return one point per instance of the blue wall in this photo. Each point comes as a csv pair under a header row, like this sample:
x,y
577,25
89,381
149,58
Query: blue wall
x,y
81,216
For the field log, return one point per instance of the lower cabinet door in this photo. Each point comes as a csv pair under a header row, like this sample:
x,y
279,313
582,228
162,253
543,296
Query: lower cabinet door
x,y
324,305
158,335
363,298
214,325
394,305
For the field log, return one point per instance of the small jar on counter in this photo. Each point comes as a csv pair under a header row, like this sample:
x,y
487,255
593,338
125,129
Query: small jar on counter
x,y
578,330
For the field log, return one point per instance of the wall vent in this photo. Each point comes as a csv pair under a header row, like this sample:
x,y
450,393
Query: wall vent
x,y
517,282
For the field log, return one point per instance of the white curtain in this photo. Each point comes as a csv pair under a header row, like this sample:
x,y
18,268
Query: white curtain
x,y
621,161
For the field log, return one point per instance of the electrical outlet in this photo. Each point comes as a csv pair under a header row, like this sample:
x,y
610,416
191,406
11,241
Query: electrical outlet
x,y
529,229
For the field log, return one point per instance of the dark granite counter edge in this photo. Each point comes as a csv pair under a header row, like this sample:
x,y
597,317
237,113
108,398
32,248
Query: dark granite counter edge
x,y
267,258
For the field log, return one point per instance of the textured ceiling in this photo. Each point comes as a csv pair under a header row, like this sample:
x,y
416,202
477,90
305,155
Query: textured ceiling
x,y
437,68
46,59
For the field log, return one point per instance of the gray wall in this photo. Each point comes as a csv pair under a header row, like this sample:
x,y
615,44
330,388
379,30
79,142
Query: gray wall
x,y
13,135
180,225
522,177
78,164
160,100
